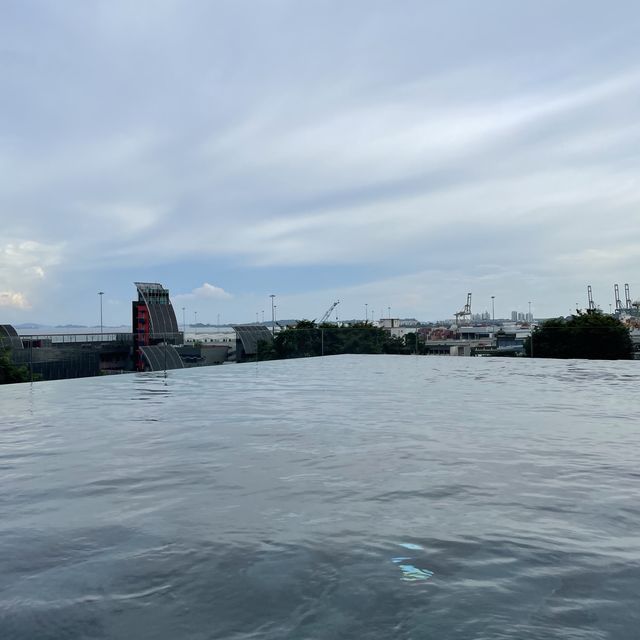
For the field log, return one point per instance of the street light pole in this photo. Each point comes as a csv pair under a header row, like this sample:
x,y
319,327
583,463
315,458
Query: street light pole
x,y
195,322
366,312
493,309
531,330
101,293
273,316
184,323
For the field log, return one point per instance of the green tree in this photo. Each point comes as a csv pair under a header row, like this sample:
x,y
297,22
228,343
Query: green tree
x,y
592,335
265,350
9,372
308,339
412,343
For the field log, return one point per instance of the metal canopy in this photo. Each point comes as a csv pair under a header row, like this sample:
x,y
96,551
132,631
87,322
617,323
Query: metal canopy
x,y
9,337
250,335
162,357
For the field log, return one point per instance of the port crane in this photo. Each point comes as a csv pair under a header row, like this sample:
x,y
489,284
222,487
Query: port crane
x,y
465,312
627,295
616,291
327,313
592,305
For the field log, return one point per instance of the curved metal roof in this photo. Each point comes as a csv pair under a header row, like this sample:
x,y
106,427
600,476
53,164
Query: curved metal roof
x,y
250,335
162,317
162,357
9,337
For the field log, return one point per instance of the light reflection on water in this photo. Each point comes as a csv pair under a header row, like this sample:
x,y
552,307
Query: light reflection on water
x,y
273,500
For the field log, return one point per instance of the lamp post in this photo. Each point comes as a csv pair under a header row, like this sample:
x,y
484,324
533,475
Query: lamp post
x,y
184,322
531,329
195,322
366,313
101,293
493,309
273,315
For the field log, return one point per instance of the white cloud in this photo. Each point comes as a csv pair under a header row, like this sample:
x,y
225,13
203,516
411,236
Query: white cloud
x,y
206,291
14,299
23,268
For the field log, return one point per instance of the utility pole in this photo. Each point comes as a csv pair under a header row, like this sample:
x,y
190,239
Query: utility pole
x,y
531,329
100,293
273,316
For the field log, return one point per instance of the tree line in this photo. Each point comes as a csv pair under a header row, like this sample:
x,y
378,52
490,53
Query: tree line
x,y
307,339
588,334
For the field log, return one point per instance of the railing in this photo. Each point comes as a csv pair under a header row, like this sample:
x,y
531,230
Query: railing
x,y
77,338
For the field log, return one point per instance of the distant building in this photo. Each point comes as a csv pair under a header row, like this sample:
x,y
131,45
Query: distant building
x,y
155,329
514,316
398,328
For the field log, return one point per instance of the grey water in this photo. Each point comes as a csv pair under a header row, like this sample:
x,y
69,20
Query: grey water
x,y
340,497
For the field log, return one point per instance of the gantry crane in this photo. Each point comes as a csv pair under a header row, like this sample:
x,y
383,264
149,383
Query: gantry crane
x,y
616,291
627,295
466,311
592,306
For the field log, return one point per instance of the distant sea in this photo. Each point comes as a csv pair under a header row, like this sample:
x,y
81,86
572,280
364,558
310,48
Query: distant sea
x,y
364,497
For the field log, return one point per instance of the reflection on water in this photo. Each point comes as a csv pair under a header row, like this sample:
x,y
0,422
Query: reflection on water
x,y
352,496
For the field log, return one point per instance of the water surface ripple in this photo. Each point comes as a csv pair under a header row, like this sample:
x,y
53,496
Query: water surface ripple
x,y
342,497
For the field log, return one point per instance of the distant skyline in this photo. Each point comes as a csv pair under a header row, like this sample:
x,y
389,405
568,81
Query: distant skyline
x,y
384,154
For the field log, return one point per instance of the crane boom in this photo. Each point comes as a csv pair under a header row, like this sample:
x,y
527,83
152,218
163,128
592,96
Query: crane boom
x,y
327,313
627,295
616,291
592,305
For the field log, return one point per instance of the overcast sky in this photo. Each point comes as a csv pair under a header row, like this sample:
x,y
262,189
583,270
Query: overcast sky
x,y
395,154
